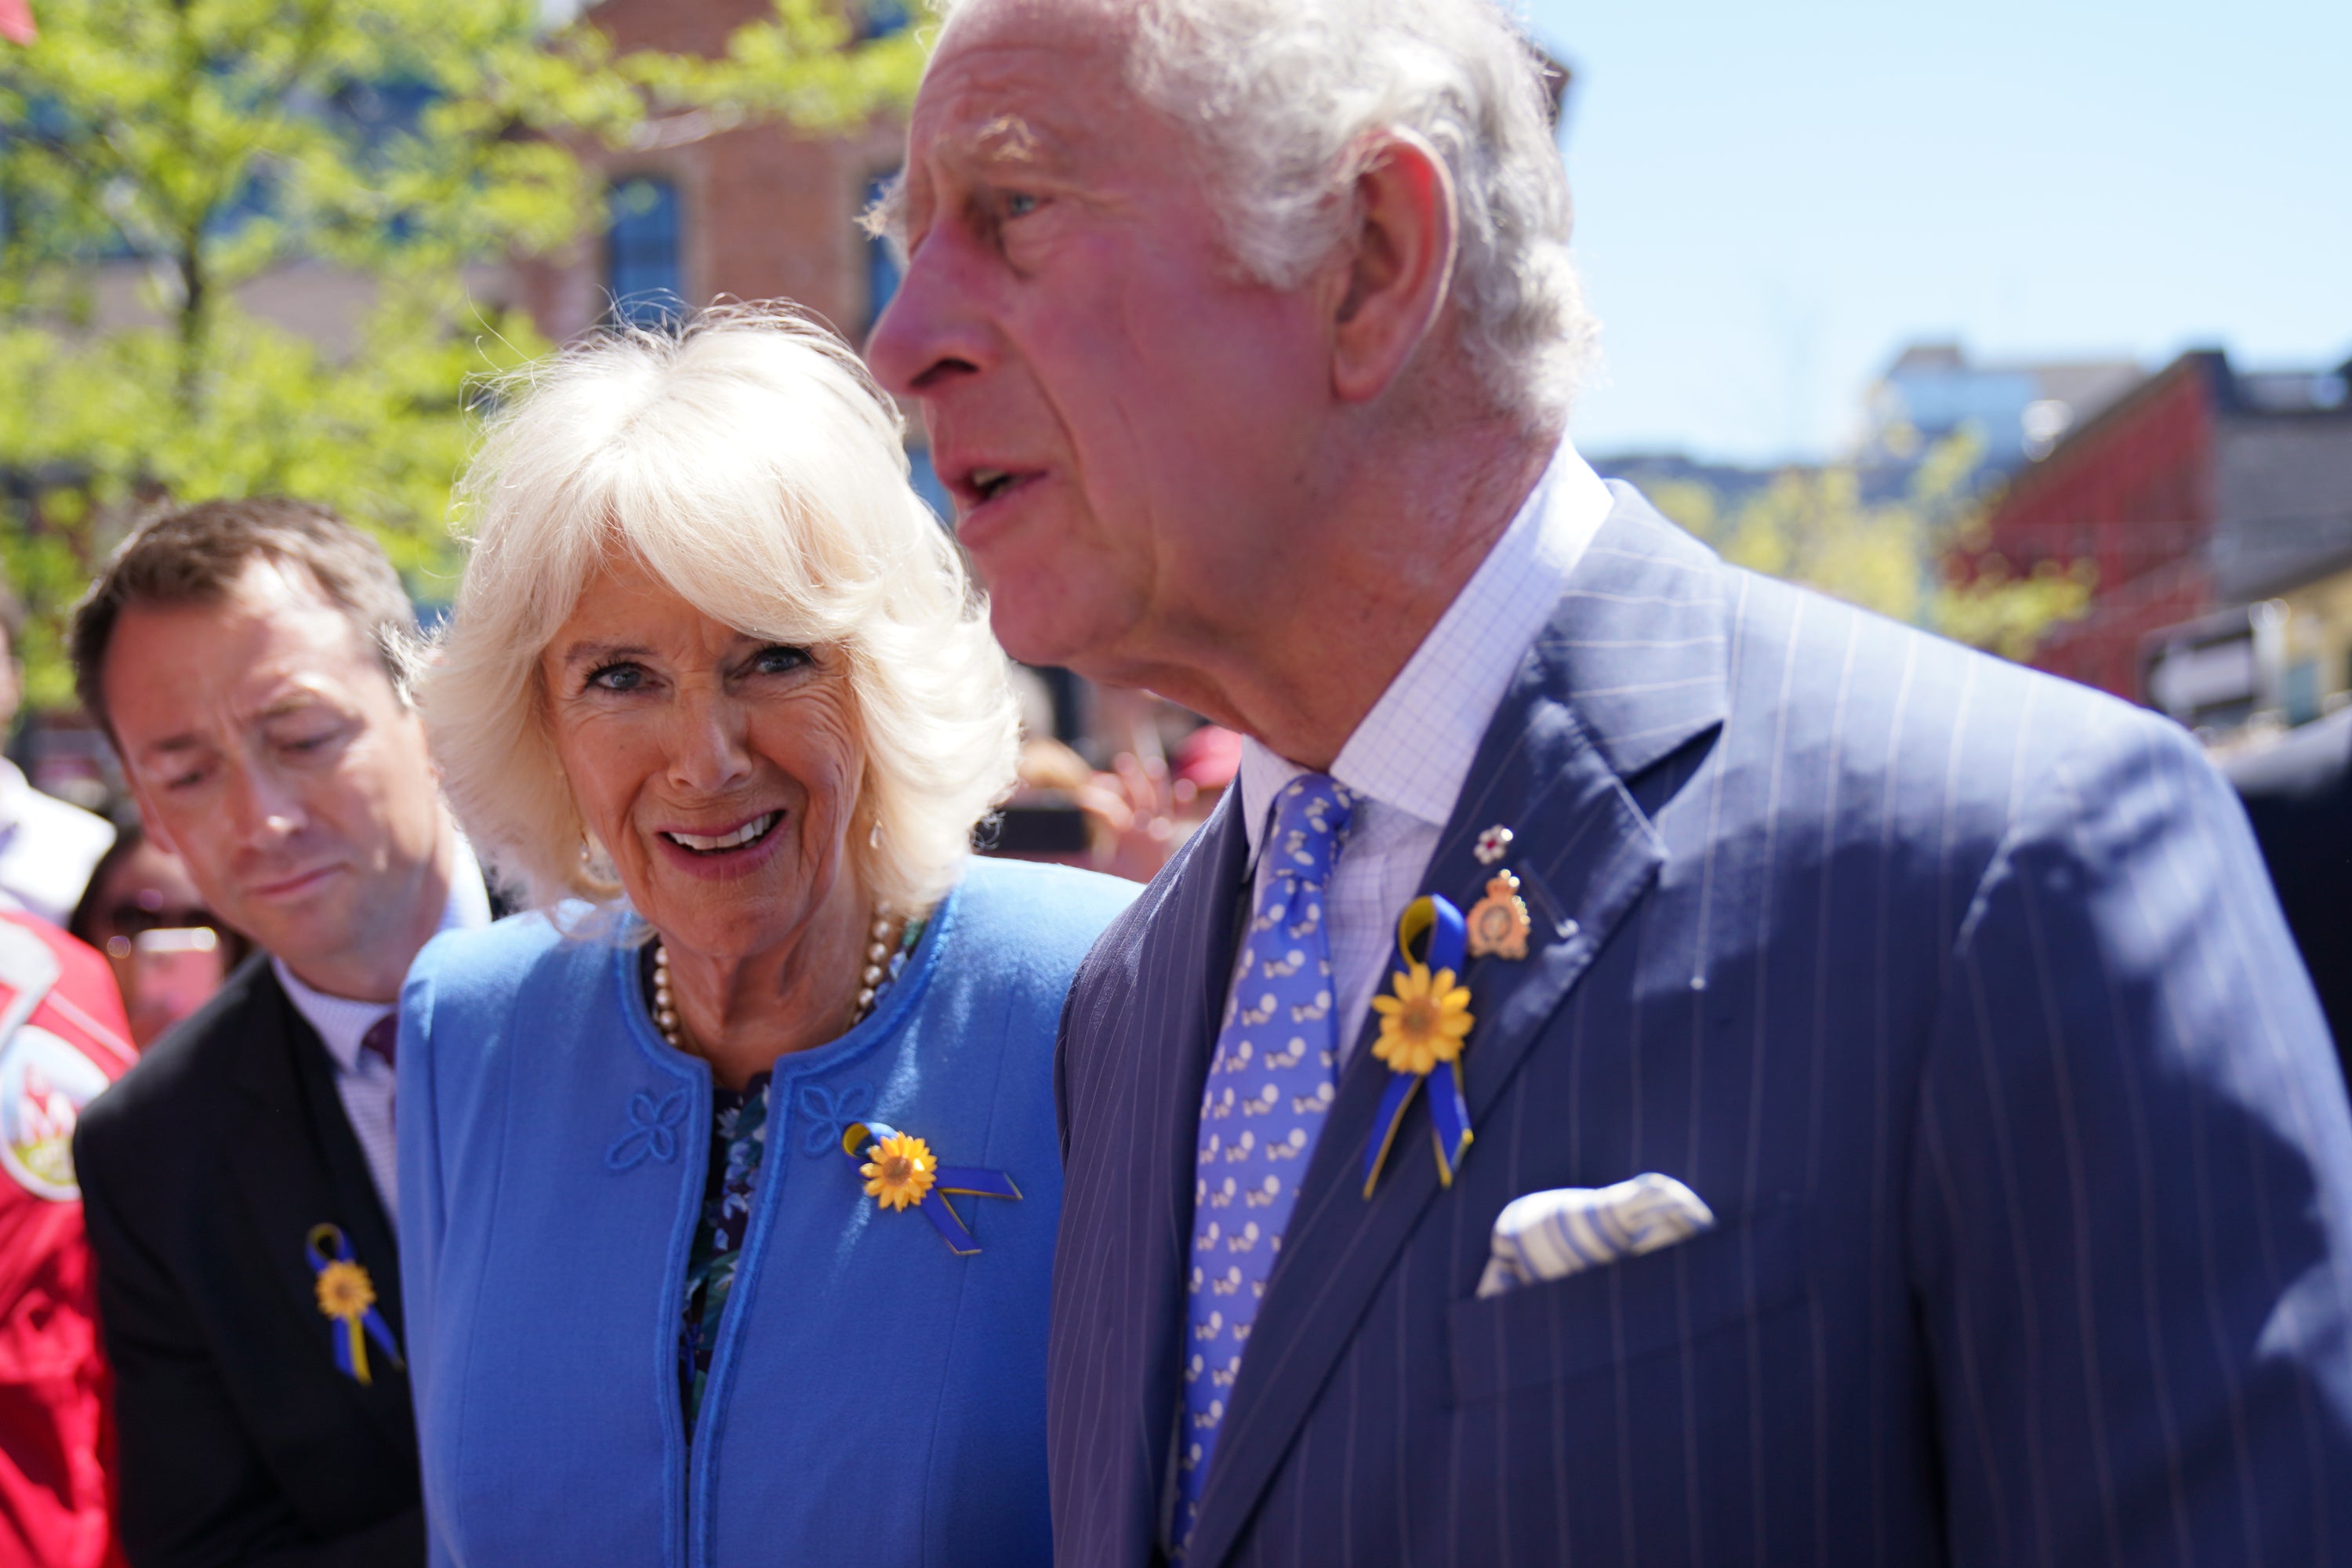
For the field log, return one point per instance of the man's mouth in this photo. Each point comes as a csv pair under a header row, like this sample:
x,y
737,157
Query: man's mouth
x,y
297,883
751,833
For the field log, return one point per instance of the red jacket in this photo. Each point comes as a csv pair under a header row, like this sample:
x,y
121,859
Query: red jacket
x,y
63,1038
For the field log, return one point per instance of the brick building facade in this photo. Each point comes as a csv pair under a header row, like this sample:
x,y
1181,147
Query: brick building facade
x,y
759,211
2131,491
2203,488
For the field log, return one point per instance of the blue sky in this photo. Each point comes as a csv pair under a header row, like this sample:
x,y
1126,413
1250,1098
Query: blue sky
x,y
1772,198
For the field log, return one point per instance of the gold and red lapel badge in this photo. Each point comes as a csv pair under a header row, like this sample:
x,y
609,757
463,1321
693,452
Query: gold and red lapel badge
x,y
1498,922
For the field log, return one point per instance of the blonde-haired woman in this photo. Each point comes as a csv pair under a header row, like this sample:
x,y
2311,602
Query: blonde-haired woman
x,y
710,1245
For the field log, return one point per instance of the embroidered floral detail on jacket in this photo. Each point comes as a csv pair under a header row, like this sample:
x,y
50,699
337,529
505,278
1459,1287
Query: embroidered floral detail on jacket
x,y
652,1130
829,1115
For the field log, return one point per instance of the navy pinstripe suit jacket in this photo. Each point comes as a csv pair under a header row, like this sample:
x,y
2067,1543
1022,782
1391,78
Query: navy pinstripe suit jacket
x,y
1956,990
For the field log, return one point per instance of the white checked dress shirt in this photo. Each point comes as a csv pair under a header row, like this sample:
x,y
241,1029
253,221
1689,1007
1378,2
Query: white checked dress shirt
x,y
364,1080
1406,761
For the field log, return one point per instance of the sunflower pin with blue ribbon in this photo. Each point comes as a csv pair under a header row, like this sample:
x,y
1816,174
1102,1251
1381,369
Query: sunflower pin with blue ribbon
x,y
1425,1023
347,1298
900,1173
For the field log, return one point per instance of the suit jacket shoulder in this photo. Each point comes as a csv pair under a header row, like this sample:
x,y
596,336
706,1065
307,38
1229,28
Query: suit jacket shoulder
x,y
156,1113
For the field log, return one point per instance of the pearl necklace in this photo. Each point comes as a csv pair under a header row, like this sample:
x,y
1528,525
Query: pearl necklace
x,y
872,980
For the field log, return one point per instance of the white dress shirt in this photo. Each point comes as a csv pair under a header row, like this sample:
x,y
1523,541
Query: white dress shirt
x,y
47,847
1407,761
364,1080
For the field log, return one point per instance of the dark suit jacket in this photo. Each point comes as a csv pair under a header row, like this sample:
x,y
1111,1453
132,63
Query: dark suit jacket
x,y
202,1174
1955,990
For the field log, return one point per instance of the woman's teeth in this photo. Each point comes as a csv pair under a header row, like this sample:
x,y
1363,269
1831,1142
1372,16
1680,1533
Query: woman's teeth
x,y
751,832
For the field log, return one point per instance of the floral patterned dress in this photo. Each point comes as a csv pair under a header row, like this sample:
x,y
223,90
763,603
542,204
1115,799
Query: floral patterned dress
x,y
738,1141
739,1138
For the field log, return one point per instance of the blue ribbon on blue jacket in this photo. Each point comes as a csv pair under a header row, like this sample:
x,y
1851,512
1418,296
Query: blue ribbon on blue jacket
x,y
964,1181
1431,932
347,1298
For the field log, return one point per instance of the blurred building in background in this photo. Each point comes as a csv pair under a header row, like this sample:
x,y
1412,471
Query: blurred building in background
x,y
2018,410
702,210
2215,508
753,212
756,212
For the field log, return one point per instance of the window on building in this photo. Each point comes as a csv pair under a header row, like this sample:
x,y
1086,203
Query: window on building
x,y
879,18
882,271
642,241
2299,692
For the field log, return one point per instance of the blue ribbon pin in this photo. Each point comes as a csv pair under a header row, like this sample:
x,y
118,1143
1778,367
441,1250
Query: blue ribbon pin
x,y
907,1177
1430,939
347,1298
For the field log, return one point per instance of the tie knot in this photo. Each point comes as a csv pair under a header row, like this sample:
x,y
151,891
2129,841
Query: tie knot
x,y
383,1037
1311,824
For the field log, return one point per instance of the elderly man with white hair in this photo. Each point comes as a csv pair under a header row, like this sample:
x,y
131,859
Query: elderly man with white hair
x,y
1649,1063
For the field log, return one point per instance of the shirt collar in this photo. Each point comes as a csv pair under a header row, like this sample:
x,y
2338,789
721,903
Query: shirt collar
x,y
1415,749
343,1023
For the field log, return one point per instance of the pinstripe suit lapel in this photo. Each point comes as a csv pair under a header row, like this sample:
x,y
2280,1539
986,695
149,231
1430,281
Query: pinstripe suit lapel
x,y
1127,1216
1630,668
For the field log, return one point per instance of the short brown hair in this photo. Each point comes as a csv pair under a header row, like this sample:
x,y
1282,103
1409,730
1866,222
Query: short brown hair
x,y
196,554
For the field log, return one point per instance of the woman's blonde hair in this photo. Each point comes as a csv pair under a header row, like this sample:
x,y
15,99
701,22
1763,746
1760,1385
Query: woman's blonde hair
x,y
748,461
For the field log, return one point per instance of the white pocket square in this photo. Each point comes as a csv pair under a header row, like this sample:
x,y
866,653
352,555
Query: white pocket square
x,y
1565,1230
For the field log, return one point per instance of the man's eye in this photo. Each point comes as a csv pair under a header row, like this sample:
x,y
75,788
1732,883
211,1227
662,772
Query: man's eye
x,y
622,677
1020,204
308,742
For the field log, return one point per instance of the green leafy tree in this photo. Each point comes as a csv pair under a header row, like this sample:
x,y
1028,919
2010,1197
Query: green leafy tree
x,y
1820,527
202,146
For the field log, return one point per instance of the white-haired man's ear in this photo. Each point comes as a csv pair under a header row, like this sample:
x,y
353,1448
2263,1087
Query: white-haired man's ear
x,y
1387,281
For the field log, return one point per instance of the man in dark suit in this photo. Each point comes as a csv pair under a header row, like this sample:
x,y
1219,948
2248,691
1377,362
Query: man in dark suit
x,y
1831,1097
247,659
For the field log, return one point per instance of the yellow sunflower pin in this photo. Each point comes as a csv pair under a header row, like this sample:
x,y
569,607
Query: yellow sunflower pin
x,y
899,1171
1425,1023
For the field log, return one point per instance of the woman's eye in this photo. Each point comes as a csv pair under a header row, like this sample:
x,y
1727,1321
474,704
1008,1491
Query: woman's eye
x,y
618,677
779,660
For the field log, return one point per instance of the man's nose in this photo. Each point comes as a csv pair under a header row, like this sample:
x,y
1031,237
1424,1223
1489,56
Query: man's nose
x,y
264,809
709,745
933,330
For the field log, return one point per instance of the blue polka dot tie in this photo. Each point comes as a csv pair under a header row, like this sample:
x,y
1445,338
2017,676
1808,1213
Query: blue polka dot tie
x,y
1269,1089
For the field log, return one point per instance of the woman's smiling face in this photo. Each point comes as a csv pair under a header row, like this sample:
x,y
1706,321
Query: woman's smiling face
x,y
718,771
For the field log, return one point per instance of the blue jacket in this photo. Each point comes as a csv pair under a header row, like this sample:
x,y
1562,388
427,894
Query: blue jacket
x,y
1957,992
872,1398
